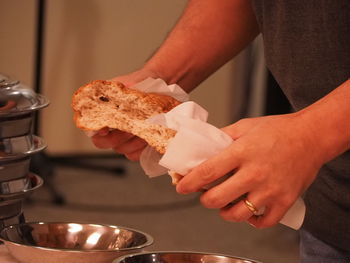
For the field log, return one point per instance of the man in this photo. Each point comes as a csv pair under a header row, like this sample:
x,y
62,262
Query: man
x,y
275,158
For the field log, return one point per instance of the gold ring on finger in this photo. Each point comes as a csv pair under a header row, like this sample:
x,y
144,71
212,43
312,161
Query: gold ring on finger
x,y
252,208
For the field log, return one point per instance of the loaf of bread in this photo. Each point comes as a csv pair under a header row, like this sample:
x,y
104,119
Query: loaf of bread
x,y
110,104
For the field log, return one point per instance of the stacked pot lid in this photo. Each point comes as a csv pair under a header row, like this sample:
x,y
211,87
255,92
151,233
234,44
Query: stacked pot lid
x,y
18,105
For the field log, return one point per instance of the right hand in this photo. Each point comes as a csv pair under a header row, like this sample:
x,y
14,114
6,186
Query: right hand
x,y
122,142
273,158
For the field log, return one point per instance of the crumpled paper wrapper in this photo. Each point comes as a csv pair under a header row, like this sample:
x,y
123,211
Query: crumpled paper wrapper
x,y
195,141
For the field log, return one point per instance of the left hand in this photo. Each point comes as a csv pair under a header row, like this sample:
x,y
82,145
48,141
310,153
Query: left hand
x,y
274,160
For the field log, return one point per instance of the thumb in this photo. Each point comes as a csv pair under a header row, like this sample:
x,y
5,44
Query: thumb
x,y
135,77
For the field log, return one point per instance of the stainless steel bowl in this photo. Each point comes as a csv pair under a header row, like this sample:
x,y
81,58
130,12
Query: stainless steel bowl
x,y
15,155
12,194
18,104
17,147
71,242
19,188
14,169
180,257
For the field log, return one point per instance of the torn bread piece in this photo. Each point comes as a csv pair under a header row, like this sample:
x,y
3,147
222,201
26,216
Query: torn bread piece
x,y
102,103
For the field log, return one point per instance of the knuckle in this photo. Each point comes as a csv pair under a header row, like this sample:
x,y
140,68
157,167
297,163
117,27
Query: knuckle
x,y
207,173
211,201
238,149
253,179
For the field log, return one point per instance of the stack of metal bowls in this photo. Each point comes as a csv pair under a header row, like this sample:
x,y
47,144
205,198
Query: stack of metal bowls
x,y
18,105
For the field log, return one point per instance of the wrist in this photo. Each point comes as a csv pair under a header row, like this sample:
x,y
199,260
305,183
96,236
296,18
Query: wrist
x,y
312,137
174,73
155,71
328,126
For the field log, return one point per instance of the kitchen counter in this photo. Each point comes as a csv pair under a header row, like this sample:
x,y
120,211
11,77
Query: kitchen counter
x,y
5,256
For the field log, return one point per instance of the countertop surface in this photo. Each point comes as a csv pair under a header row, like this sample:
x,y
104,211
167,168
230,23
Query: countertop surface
x,y
5,256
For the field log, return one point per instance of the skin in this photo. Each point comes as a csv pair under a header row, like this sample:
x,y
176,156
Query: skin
x,y
274,159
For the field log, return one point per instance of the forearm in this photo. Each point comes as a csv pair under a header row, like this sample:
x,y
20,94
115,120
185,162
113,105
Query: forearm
x,y
329,122
209,33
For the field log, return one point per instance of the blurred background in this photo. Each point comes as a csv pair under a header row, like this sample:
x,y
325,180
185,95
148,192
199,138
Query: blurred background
x,y
56,46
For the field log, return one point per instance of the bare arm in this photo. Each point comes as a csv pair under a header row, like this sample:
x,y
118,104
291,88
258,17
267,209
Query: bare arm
x,y
208,34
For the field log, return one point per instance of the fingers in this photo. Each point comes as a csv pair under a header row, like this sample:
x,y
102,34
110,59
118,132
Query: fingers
x,y
234,199
132,148
222,195
241,212
121,142
273,214
209,171
258,212
254,200
135,77
124,80
134,156
134,144
111,139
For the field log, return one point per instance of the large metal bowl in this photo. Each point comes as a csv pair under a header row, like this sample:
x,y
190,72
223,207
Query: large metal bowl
x,y
71,242
180,257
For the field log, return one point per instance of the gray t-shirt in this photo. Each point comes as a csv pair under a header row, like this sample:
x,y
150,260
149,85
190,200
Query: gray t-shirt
x,y
307,49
